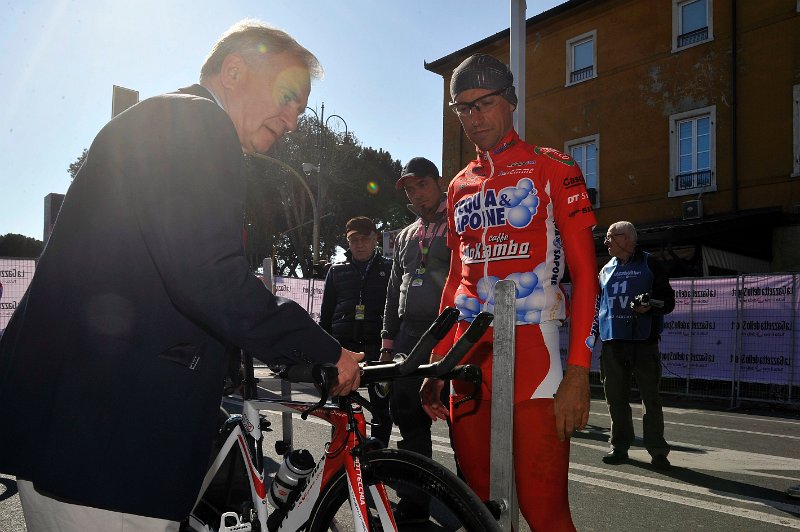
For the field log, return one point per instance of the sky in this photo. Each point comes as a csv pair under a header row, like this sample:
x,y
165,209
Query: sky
x,y
60,59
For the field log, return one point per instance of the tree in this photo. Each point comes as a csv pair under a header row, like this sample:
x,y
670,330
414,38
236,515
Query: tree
x,y
74,167
353,181
14,245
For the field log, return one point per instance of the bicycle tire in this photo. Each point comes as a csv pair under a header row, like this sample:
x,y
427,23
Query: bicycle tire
x,y
458,508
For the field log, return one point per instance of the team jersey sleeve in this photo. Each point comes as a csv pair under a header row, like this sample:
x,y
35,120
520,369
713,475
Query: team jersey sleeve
x,y
453,276
575,219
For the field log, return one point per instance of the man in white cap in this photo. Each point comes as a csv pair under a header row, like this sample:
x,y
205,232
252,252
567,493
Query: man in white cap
x,y
518,212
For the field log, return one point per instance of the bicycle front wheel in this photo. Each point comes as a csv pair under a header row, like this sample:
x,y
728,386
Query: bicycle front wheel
x,y
453,506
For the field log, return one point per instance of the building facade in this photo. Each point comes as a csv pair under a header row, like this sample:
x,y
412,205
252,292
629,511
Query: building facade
x,y
683,114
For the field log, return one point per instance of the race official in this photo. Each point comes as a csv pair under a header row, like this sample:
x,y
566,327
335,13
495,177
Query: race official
x,y
634,297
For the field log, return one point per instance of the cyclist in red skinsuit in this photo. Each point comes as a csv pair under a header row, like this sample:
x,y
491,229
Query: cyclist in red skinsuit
x,y
518,212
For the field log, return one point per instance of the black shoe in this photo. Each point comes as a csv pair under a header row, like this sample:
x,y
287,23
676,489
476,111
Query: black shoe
x,y
661,462
410,515
615,457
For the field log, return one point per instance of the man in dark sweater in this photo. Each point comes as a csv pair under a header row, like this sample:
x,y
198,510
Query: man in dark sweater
x,y
420,264
352,306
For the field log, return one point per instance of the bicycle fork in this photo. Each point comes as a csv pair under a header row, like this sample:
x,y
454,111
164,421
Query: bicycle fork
x,y
358,499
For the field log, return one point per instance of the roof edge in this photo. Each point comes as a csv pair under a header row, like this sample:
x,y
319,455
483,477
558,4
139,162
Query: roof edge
x,y
436,65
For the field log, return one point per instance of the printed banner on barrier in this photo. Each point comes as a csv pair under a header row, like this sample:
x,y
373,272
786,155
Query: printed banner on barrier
x,y
713,316
305,292
15,276
768,329
697,340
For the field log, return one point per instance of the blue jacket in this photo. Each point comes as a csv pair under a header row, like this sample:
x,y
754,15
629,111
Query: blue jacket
x,y
619,285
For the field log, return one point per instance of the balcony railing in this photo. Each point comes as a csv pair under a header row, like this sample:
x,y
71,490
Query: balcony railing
x,y
693,180
582,74
698,35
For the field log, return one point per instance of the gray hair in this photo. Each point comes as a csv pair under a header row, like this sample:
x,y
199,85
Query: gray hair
x,y
254,40
627,228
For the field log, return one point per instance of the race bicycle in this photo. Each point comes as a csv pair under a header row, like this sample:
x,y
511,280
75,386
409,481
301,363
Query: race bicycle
x,y
353,484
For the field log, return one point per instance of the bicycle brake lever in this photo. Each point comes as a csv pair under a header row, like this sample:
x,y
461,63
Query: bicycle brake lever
x,y
471,374
322,376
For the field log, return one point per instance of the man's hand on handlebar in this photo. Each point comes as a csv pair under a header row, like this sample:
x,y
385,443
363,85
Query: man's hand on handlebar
x,y
349,373
430,394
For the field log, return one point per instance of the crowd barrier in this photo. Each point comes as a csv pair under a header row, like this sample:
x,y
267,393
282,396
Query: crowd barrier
x,y
732,338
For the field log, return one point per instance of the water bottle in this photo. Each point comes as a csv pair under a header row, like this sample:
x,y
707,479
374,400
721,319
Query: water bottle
x,y
297,465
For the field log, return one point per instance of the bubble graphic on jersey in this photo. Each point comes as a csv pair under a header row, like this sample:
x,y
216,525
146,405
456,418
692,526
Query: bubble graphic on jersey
x,y
521,203
531,202
535,300
525,283
469,307
532,316
542,273
525,184
485,288
529,294
508,197
519,217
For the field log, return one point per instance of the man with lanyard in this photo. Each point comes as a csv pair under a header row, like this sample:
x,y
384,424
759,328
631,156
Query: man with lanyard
x,y
518,212
420,264
352,306
630,328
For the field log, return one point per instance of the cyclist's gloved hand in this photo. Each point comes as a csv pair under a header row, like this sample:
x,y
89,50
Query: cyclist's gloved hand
x,y
430,395
349,373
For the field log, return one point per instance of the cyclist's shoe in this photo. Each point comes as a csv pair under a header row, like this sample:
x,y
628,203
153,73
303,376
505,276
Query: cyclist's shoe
x,y
410,514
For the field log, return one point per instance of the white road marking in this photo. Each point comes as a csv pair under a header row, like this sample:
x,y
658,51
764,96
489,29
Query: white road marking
x,y
705,458
711,427
763,517
690,488
717,459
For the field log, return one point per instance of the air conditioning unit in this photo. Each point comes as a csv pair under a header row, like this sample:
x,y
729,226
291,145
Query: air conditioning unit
x,y
692,209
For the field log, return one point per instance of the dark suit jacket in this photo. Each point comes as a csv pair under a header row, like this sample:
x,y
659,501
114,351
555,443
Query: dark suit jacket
x,y
111,369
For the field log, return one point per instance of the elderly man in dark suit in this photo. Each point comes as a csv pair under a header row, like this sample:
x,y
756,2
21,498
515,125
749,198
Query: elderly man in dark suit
x,y
112,367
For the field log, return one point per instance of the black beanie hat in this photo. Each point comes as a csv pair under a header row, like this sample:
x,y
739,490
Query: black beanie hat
x,y
481,71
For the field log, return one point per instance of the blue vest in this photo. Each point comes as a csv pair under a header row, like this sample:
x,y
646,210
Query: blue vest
x,y
619,284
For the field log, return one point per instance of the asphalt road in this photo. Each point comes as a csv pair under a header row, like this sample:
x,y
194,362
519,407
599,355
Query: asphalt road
x,y
730,471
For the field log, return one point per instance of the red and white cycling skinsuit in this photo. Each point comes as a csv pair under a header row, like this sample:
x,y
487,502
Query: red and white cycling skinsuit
x,y
509,212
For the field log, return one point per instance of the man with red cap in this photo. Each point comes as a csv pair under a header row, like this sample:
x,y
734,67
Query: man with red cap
x,y
519,212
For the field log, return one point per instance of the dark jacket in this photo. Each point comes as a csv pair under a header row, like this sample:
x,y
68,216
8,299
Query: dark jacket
x,y
417,305
112,366
345,285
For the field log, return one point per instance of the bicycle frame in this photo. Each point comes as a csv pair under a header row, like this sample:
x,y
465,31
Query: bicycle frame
x,y
342,452
348,444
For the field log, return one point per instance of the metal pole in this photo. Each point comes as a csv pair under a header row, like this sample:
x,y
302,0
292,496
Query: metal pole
x,y
502,483
517,62
286,386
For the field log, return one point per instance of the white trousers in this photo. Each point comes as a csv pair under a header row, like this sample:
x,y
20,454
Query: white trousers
x,y
45,514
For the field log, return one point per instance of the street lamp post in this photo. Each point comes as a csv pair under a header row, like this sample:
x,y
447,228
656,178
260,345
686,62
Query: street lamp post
x,y
314,210
322,122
